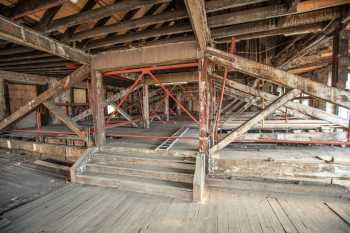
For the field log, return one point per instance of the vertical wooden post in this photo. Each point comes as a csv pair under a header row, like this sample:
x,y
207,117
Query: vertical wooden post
x,y
3,110
97,105
203,106
199,187
166,108
340,62
146,121
178,108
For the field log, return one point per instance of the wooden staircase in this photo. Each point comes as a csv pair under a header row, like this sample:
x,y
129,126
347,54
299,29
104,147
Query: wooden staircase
x,y
144,171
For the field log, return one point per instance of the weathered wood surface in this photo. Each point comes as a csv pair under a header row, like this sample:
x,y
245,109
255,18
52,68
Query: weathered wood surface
x,y
307,110
97,107
101,12
77,208
254,120
18,34
60,115
198,18
280,77
77,76
163,54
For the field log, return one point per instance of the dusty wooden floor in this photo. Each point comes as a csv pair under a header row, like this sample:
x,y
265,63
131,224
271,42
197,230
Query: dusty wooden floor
x,y
76,208
21,182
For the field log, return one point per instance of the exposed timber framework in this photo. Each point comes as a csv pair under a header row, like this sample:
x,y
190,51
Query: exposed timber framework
x,y
160,73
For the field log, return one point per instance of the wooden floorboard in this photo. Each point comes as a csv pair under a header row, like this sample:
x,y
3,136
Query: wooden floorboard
x,y
78,208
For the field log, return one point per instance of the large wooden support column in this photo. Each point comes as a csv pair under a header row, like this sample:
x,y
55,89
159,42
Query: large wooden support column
x,y
3,110
253,121
77,76
145,99
98,107
280,77
203,91
340,62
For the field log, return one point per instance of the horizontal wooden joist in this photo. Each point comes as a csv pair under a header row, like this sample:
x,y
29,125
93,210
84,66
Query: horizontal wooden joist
x,y
135,36
164,54
24,78
309,18
28,7
101,12
18,34
130,24
280,77
212,6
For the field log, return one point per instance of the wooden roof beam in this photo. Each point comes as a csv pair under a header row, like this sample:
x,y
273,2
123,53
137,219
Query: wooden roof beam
x,y
212,6
101,12
258,70
28,7
198,17
18,34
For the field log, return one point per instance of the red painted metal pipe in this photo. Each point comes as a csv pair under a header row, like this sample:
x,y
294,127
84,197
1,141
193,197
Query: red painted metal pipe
x,y
171,96
153,68
293,142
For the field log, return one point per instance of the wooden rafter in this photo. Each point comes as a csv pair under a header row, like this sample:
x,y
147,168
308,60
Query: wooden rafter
x,y
18,34
280,77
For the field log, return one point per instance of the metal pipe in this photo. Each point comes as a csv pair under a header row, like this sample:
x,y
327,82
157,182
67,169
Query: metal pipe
x,y
171,96
153,68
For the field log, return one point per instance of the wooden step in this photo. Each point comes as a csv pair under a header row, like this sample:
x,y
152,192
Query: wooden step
x,y
146,152
146,172
132,161
141,185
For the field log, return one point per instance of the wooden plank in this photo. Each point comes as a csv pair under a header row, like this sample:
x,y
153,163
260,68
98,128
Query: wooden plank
x,y
245,16
100,12
29,7
135,36
295,22
307,110
280,77
57,112
254,120
198,17
163,54
18,34
199,189
212,6
312,5
77,76
130,24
